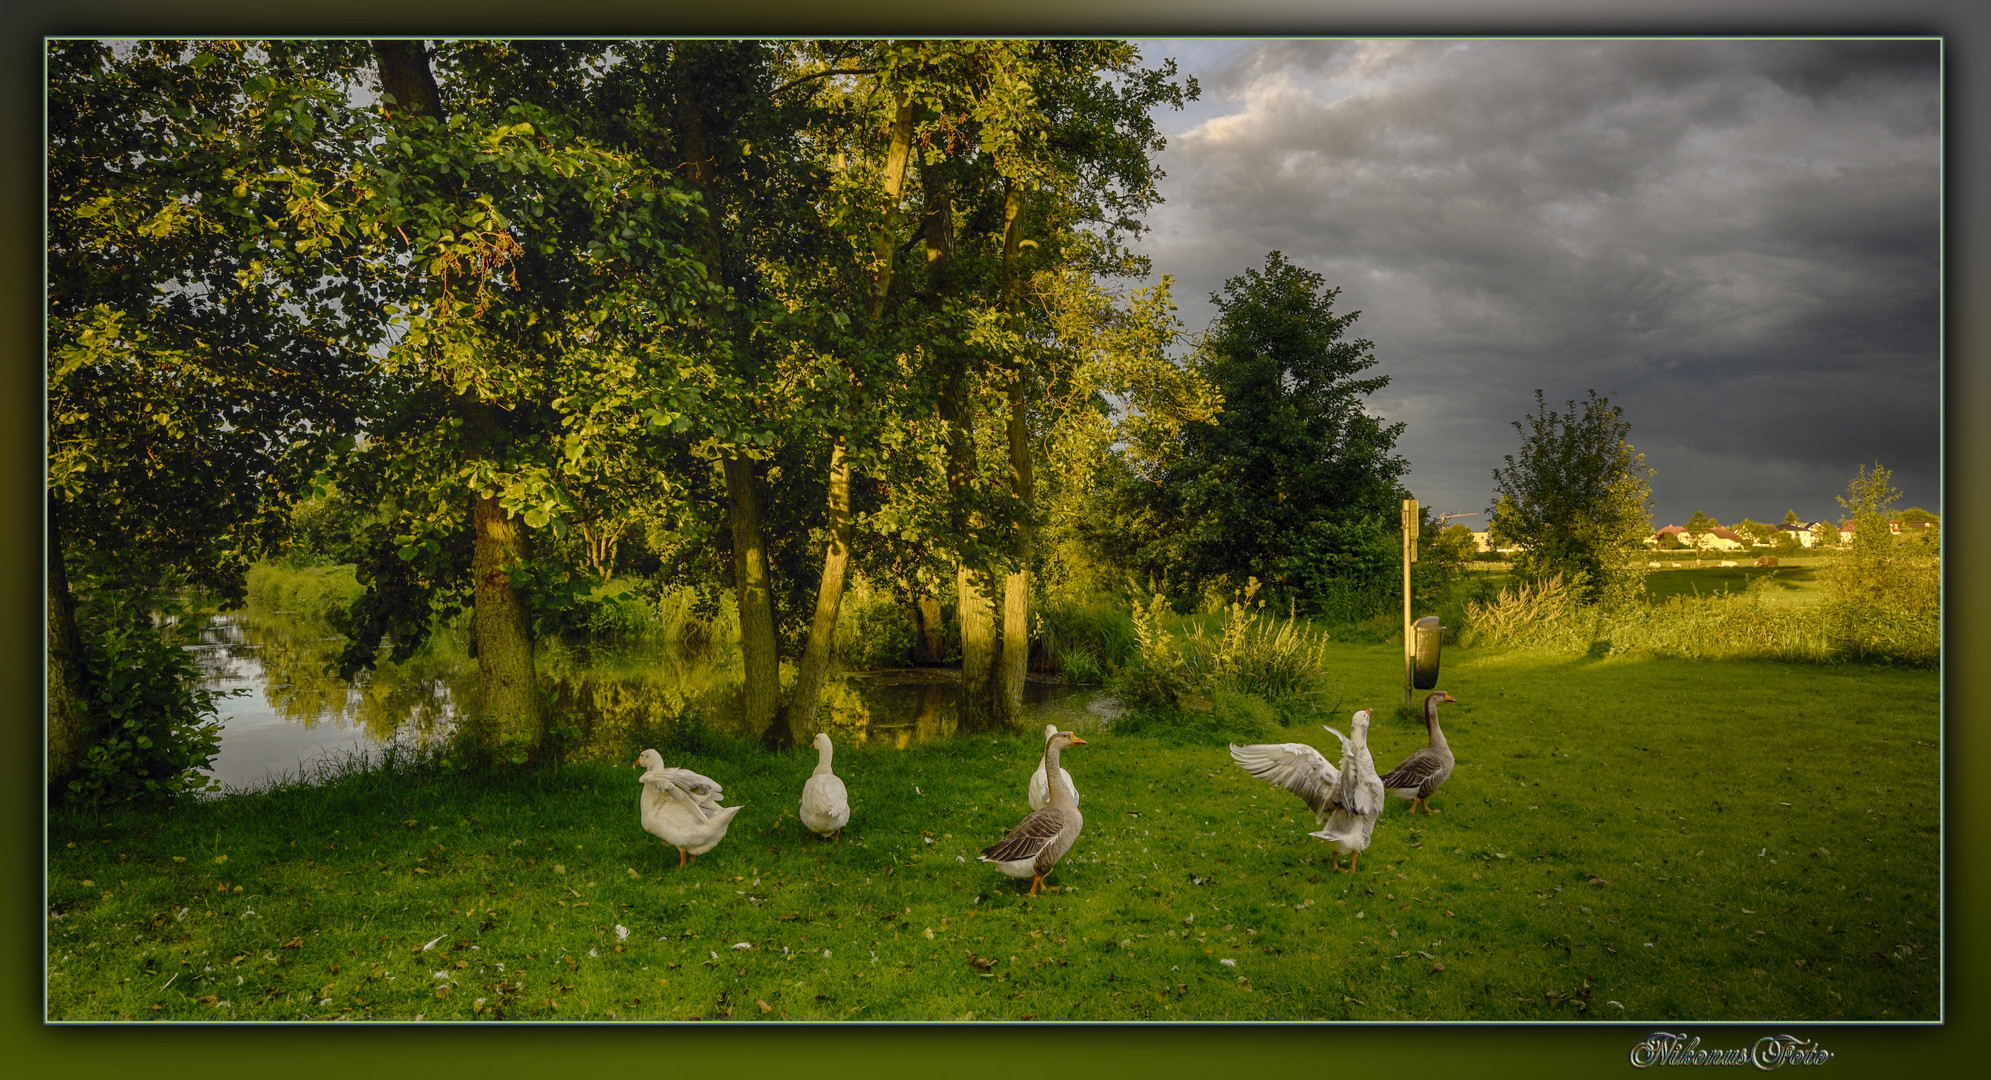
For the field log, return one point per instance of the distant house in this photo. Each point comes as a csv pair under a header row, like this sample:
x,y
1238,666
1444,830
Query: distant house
x,y
1483,542
1719,538
1723,538
1805,537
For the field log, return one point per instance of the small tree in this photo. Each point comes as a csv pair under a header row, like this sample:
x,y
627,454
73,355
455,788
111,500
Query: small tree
x,y
1699,527
1576,501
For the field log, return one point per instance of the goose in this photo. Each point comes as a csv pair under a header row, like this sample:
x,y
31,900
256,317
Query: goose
x,y
825,802
681,808
1040,791
1040,840
1358,796
1423,772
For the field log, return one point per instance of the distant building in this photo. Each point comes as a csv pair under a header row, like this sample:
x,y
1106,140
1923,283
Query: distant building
x,y
1723,538
1805,537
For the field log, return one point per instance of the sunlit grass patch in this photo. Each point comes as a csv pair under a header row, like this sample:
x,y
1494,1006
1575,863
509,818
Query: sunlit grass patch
x,y
1622,840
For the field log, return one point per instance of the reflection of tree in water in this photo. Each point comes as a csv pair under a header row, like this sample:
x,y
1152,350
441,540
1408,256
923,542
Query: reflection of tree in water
x,y
619,697
295,657
624,697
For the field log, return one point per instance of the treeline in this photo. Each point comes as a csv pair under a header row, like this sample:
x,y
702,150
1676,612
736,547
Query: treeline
x,y
493,320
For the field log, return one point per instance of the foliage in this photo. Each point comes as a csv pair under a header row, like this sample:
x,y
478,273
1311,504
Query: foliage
x,y
322,592
1576,501
150,726
207,346
1885,593
1196,682
1295,473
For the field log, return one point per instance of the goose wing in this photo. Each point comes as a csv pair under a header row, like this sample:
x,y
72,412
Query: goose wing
x,y
1297,767
1416,770
701,793
1028,838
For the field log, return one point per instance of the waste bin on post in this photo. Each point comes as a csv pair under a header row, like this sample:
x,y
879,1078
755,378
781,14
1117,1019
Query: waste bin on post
x,y
1429,637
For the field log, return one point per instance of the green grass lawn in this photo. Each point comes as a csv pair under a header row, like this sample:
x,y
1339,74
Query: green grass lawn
x,y
1791,583
1657,840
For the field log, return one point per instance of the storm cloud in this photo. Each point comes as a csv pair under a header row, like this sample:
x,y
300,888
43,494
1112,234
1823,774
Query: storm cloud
x,y
1738,241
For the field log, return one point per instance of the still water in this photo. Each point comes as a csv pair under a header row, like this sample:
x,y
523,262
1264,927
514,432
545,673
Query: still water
x,y
288,718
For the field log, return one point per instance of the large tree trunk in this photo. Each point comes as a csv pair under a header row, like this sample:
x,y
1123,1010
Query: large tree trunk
x,y
760,693
66,694
1015,662
974,608
1016,588
511,727
801,713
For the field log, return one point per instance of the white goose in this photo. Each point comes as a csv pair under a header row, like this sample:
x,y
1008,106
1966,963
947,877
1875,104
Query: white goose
x,y
681,808
1358,796
825,802
1040,840
1040,789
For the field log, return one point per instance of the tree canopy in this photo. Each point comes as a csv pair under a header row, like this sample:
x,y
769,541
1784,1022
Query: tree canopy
x,y
1575,500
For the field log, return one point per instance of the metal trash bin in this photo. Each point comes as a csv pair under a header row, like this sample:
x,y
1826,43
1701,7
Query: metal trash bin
x,y
1424,672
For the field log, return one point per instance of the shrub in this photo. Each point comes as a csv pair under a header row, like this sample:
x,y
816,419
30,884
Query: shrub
x,y
873,629
1253,671
149,726
1082,640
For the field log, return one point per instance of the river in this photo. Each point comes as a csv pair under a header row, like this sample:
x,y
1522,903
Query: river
x,y
288,719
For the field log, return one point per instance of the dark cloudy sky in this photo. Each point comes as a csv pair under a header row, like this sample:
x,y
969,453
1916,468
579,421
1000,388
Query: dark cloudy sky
x,y
1737,241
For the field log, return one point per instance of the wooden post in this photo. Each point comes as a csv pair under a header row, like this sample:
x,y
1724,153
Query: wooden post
x,y
1409,637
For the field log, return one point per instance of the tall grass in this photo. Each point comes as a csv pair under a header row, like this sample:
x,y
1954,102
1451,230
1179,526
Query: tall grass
x,y
1254,670
310,592
1899,624
1084,639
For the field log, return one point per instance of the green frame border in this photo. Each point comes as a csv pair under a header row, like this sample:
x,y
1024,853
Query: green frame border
x,y
967,1050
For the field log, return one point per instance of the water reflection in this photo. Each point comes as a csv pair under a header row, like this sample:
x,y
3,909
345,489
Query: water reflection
x,y
293,718
605,700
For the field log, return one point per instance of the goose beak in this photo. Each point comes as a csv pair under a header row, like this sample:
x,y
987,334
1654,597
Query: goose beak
x,y
1076,741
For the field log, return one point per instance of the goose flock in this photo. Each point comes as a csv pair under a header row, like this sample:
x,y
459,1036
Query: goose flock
x,y
682,808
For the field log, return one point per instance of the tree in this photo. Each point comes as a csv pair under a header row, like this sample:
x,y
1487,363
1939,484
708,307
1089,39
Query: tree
x,y
1576,500
1790,518
544,288
207,346
1296,482
1699,527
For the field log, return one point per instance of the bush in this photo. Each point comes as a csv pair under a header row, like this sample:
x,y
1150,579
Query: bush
x,y
1345,571
1083,640
873,630
1256,671
149,727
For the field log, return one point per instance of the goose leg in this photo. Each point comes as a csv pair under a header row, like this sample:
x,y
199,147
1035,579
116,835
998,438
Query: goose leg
x,y
694,857
1036,885
680,858
1352,860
